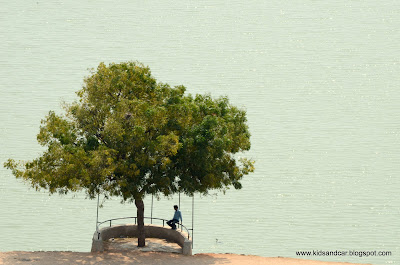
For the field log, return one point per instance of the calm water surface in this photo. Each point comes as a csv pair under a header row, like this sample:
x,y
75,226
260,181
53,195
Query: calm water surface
x,y
319,81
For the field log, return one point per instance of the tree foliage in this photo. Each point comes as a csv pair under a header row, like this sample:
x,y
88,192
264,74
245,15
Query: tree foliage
x,y
129,135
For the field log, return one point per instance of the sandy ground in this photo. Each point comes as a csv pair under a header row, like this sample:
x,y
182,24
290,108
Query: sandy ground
x,y
150,258
157,252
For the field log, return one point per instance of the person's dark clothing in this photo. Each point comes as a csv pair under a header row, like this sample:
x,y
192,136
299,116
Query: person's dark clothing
x,y
172,223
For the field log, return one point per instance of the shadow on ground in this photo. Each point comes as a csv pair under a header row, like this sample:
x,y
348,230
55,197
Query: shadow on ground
x,y
110,258
152,245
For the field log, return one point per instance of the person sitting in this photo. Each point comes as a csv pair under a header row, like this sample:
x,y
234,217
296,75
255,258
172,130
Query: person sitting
x,y
175,219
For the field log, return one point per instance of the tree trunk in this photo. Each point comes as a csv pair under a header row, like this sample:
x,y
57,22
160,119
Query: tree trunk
x,y
140,223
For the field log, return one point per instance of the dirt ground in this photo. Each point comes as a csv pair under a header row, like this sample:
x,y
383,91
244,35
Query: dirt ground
x,y
149,258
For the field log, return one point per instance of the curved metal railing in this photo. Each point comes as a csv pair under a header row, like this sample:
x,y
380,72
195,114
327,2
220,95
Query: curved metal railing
x,y
151,222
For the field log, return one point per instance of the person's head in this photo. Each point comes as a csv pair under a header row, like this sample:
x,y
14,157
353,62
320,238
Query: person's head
x,y
176,207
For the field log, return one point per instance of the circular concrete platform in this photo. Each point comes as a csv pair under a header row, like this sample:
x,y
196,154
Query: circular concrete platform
x,y
152,245
107,236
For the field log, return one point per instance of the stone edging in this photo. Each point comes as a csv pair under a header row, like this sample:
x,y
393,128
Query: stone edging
x,y
151,231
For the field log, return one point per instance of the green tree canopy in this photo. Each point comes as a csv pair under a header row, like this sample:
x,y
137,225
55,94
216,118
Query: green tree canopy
x,y
129,136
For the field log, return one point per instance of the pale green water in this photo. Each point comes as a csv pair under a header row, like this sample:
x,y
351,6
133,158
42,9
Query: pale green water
x,y
320,82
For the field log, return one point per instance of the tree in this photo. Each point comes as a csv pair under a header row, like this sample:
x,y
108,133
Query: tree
x,y
129,136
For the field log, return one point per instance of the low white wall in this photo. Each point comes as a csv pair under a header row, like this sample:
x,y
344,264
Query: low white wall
x,y
151,231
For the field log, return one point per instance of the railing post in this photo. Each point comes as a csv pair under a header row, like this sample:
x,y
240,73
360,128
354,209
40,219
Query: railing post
x,y
151,217
190,234
192,219
97,215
